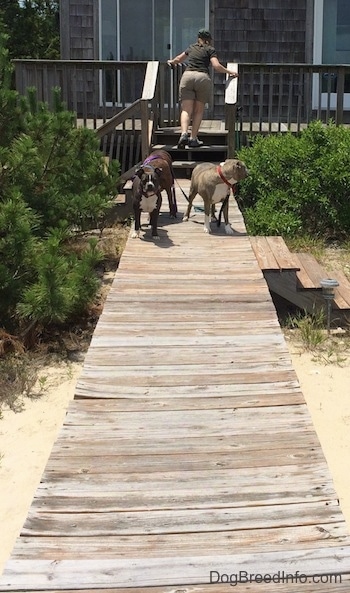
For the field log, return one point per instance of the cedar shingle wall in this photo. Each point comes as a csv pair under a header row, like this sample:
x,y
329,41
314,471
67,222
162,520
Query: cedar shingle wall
x,y
78,28
265,31
262,31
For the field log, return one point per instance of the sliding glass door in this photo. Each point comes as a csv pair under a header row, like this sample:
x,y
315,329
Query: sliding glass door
x,y
139,30
332,45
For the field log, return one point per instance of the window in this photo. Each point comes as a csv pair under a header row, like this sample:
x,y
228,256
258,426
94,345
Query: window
x,y
332,44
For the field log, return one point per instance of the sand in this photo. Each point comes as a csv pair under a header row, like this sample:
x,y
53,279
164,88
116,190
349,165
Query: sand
x,y
27,437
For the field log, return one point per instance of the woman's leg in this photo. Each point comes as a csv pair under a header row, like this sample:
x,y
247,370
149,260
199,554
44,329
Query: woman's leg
x,y
187,106
197,116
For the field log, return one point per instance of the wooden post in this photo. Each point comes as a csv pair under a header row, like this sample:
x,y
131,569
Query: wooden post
x,y
231,110
145,143
148,92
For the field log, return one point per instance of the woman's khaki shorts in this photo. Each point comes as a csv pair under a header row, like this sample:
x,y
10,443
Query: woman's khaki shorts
x,y
195,85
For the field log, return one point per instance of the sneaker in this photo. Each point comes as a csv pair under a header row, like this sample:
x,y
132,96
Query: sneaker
x,y
183,141
195,143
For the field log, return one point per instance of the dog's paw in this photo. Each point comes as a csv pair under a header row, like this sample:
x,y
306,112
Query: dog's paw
x,y
229,230
135,234
207,229
184,218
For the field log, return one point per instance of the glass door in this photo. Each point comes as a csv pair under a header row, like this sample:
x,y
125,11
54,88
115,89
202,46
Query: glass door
x,y
142,30
332,46
139,30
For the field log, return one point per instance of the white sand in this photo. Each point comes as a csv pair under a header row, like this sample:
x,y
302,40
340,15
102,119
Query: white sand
x,y
26,439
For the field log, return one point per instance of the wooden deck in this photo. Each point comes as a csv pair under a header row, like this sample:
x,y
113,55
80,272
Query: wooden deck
x,y
188,451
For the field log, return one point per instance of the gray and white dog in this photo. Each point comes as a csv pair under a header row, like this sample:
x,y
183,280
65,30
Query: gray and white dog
x,y
214,183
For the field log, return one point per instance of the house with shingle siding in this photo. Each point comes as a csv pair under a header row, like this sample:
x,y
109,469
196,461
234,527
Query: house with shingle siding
x,y
244,31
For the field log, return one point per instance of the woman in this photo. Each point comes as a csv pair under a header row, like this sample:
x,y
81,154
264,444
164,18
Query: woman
x,y
195,85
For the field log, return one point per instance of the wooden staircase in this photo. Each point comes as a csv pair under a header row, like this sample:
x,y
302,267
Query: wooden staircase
x,y
214,149
296,277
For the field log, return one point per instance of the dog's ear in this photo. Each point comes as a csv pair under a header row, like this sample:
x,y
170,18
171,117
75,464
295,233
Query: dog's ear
x,y
158,170
139,172
242,167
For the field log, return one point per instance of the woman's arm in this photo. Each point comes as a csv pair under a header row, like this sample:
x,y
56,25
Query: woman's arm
x,y
220,68
178,59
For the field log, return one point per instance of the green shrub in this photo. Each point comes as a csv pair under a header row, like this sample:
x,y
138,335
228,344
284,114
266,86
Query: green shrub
x,y
298,184
53,186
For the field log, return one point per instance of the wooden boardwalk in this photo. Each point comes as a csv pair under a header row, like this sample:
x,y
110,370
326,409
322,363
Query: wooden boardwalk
x,y
188,452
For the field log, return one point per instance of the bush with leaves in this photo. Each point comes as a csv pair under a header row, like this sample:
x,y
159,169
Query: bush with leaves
x,y
54,185
298,185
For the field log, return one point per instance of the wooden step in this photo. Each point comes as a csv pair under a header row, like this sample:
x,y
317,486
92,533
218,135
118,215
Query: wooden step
x,y
342,292
205,147
273,254
311,272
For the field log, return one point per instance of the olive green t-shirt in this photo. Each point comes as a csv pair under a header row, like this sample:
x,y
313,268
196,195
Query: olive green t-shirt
x,y
199,57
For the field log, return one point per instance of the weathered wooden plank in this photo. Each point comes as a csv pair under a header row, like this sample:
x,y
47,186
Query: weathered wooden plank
x,y
173,570
182,355
135,402
264,254
251,384
222,496
336,584
285,259
226,443
199,380
217,418
72,462
247,541
181,521
312,268
342,292
165,481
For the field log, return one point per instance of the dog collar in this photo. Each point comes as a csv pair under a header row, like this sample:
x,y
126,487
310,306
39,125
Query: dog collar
x,y
146,195
231,185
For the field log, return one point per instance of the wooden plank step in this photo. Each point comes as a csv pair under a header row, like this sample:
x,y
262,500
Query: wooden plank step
x,y
284,257
188,164
273,254
205,147
264,254
311,272
342,292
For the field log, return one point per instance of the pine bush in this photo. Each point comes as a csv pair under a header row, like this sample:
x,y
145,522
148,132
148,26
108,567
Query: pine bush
x,y
53,186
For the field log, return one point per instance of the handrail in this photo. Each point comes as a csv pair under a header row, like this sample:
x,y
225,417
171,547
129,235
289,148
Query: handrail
x,y
231,97
139,106
118,119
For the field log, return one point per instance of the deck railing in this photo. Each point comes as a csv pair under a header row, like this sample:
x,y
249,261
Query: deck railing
x,y
272,96
124,101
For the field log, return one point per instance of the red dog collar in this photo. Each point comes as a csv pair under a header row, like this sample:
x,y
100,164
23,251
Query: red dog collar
x,y
231,185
